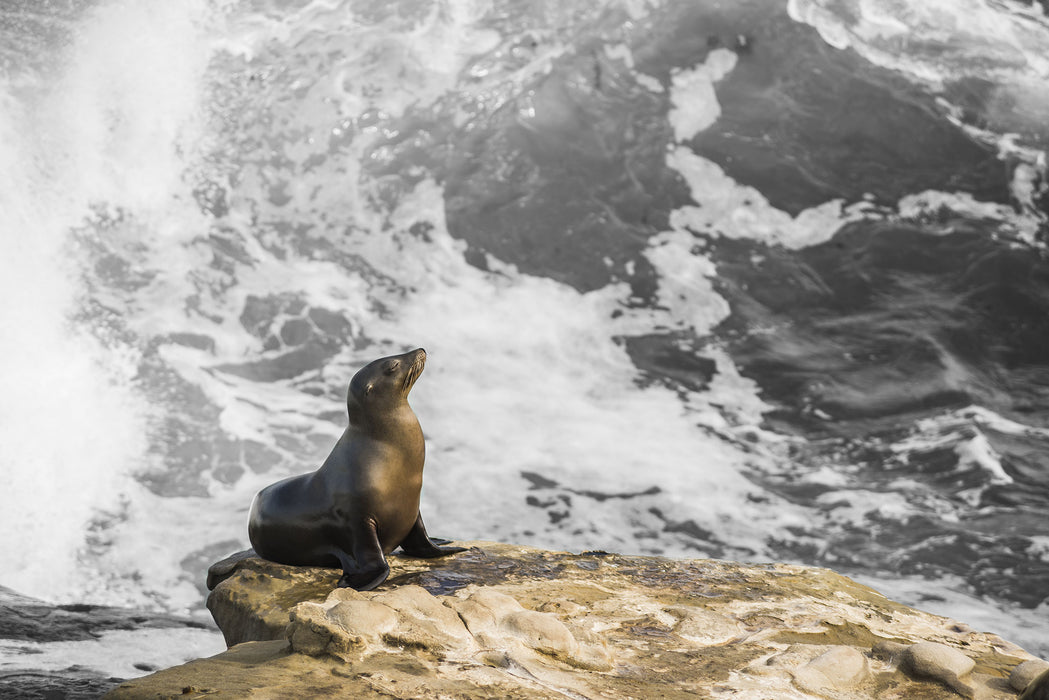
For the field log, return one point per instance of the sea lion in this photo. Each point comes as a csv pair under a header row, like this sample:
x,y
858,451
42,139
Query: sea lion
x,y
363,502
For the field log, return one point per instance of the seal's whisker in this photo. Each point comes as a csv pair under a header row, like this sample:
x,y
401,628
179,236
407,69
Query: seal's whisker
x,y
411,375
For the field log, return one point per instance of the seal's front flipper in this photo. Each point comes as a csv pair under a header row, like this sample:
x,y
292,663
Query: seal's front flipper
x,y
366,568
418,543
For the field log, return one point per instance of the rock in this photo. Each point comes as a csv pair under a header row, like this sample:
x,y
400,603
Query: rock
x,y
889,651
705,627
562,607
517,622
252,599
72,682
483,610
941,662
839,668
351,626
340,628
1038,689
498,620
1026,672
542,632
425,621
27,619
363,618
936,660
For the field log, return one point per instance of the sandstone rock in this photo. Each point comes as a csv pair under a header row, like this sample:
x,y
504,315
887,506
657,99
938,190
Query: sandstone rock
x,y
482,610
542,632
944,663
516,622
1026,672
1038,689
363,618
837,669
705,627
312,632
252,599
494,618
564,608
889,651
425,621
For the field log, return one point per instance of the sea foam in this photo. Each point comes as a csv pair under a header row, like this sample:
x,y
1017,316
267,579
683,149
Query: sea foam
x,y
102,129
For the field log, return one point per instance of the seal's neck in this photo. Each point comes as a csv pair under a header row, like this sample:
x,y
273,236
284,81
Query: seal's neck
x,y
384,422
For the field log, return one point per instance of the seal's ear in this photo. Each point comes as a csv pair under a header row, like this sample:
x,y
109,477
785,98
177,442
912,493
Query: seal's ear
x,y
368,390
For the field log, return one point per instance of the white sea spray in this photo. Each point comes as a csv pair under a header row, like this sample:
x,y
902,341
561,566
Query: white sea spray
x,y
103,133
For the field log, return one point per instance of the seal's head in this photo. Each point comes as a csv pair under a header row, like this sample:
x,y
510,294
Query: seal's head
x,y
385,383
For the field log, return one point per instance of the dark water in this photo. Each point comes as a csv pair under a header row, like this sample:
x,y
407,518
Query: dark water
x,y
885,328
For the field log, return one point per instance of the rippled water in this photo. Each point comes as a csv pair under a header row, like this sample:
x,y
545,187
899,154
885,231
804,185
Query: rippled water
x,y
764,281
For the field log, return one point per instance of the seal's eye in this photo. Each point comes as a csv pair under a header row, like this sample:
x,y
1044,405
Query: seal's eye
x,y
392,367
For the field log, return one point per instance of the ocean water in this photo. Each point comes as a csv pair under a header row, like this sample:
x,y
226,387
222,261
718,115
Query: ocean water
x,y
754,280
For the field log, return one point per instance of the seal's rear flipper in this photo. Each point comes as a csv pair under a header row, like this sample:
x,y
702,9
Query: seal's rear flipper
x,y
222,570
419,544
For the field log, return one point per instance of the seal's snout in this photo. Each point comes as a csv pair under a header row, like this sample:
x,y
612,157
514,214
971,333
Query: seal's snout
x,y
418,362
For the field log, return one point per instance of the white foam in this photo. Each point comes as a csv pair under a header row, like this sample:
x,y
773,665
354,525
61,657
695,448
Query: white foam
x,y
826,22
852,507
979,453
388,62
1039,547
727,208
984,416
685,281
620,52
694,102
936,41
964,431
931,202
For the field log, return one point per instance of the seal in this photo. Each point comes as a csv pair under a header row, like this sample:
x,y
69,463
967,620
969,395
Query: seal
x,y
363,502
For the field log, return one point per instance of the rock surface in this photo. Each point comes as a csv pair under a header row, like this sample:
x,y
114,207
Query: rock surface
x,y
940,662
1038,689
1025,673
28,619
517,622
